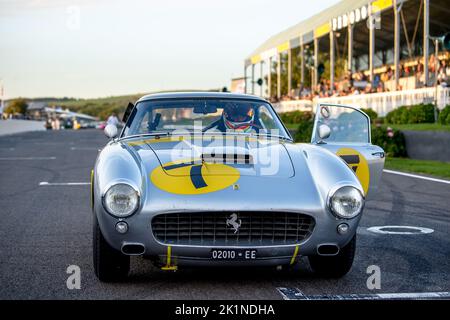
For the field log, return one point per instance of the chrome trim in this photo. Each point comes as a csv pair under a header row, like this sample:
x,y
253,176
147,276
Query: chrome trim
x,y
233,247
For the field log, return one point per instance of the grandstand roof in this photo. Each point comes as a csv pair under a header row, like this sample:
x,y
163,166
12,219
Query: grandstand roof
x,y
305,29
320,25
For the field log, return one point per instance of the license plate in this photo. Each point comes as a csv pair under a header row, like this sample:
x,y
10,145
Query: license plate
x,y
233,254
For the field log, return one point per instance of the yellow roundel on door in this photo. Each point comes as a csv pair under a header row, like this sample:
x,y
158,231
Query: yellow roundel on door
x,y
193,177
356,161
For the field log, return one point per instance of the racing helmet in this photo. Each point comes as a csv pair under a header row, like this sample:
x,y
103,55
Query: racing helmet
x,y
239,117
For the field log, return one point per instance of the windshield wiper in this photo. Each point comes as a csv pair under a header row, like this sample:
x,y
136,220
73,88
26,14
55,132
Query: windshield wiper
x,y
261,135
168,133
151,134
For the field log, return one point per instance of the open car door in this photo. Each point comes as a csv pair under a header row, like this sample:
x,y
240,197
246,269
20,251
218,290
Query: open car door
x,y
345,131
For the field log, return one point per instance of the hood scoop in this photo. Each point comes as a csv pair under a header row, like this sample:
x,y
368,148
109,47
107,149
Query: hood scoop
x,y
227,158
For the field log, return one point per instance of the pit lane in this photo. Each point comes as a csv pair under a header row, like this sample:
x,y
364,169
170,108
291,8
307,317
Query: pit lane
x,y
46,228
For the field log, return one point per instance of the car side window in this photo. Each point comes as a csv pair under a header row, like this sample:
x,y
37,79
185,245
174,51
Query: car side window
x,y
347,125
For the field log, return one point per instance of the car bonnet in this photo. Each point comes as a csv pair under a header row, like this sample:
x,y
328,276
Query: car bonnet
x,y
222,156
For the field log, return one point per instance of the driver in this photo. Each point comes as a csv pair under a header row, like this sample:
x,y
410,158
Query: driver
x,y
236,117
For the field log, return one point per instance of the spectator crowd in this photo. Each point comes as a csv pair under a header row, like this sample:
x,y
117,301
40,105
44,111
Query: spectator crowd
x,y
359,83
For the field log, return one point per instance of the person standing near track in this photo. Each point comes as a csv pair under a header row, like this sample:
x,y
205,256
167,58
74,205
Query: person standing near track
x,y
112,119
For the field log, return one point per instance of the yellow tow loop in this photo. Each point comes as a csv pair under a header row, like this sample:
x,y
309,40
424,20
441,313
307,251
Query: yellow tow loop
x,y
168,265
294,255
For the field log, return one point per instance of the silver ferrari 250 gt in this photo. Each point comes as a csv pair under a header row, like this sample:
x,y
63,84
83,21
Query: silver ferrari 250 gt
x,y
216,179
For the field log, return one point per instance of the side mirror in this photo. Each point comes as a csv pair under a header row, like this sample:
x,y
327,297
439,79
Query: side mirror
x,y
110,131
324,132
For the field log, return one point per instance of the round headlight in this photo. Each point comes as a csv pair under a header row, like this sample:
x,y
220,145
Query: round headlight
x,y
347,202
121,200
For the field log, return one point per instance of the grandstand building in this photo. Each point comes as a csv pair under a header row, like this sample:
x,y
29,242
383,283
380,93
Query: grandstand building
x,y
377,54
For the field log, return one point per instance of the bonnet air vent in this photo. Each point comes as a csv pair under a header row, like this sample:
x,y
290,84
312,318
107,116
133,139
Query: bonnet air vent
x,y
228,158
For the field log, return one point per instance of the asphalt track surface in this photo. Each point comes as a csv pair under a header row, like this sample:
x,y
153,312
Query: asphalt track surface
x,y
46,228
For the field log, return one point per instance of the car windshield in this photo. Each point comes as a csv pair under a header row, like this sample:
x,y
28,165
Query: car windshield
x,y
180,116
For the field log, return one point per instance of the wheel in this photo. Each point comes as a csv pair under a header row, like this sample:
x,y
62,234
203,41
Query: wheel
x,y
335,266
109,264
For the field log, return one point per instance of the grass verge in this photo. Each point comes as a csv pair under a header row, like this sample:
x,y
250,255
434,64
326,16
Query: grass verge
x,y
428,167
408,127
420,127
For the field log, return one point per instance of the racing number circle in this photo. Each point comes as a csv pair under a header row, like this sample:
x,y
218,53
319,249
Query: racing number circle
x,y
193,177
356,161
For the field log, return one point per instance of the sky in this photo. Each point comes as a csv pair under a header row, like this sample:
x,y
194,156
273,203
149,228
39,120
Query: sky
x,y
100,48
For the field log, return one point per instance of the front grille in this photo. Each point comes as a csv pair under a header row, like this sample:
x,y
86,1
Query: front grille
x,y
211,229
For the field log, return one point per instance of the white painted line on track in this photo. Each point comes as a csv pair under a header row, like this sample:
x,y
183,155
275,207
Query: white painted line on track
x,y
84,148
414,230
296,294
45,183
53,143
27,158
416,176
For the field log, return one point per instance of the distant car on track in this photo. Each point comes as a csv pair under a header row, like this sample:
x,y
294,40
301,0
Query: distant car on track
x,y
215,179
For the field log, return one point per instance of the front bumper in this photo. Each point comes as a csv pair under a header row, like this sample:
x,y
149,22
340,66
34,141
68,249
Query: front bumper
x,y
140,232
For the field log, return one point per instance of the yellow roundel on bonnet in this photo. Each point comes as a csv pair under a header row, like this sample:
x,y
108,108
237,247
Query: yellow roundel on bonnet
x,y
356,161
193,177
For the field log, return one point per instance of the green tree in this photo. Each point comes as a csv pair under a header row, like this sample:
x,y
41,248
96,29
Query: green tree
x,y
17,106
371,113
296,56
340,68
296,65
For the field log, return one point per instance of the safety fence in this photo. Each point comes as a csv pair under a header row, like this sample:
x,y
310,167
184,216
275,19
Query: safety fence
x,y
382,102
294,105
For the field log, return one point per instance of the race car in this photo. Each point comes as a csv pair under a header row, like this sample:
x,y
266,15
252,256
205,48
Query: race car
x,y
215,179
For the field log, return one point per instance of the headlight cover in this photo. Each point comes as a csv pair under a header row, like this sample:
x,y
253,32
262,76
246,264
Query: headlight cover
x,y
347,202
121,200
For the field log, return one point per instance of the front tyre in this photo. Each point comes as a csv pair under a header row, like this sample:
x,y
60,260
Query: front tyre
x,y
335,266
109,264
